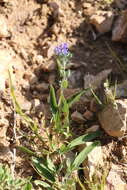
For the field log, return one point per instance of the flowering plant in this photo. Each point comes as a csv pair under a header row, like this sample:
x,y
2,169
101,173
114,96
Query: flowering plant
x,y
62,57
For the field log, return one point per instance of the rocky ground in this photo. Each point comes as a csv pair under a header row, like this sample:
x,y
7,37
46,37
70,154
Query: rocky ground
x,y
96,33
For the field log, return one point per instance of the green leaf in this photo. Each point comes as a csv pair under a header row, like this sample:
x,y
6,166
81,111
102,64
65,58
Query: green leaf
x,y
64,83
95,96
75,97
26,150
83,155
81,140
65,107
43,184
53,102
50,164
27,186
43,169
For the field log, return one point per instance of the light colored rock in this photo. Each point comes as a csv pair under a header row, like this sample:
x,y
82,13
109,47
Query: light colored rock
x,y
42,87
113,119
5,64
94,82
88,115
75,79
23,102
3,27
3,127
36,102
93,128
39,59
94,160
9,61
120,90
69,92
114,179
119,32
88,9
121,4
102,20
48,66
94,106
77,117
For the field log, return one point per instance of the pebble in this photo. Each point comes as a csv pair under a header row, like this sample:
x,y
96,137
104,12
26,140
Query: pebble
x,y
77,117
88,115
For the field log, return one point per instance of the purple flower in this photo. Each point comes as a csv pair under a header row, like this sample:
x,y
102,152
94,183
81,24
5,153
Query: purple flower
x,y
62,49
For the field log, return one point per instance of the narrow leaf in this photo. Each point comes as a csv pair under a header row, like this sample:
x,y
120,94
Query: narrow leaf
x,y
28,186
53,101
43,170
75,97
26,150
42,183
81,140
83,155
50,164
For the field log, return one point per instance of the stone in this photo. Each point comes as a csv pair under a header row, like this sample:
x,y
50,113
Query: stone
x,y
88,9
77,117
9,61
88,115
94,106
93,161
113,118
94,82
121,4
93,128
5,64
42,87
75,79
36,102
69,92
120,90
114,179
48,66
102,20
3,27
119,32
23,102
39,59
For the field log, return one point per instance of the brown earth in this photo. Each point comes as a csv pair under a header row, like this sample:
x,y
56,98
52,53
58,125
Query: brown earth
x,y
35,27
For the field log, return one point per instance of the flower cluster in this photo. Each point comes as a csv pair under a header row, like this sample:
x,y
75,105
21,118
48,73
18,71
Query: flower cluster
x,y
62,50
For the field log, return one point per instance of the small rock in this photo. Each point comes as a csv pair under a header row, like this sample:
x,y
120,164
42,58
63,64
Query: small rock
x,y
88,115
6,60
114,179
23,102
94,82
49,66
94,160
39,59
93,129
121,4
88,9
94,106
69,92
51,78
36,102
119,32
77,117
3,27
3,127
32,79
75,79
120,91
113,119
42,87
102,20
